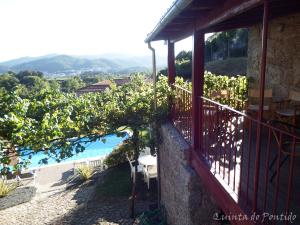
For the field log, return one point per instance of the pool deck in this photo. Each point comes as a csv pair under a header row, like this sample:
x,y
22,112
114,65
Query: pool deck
x,y
49,177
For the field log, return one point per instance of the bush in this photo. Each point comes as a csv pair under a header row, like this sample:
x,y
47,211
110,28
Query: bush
x,y
5,189
85,172
118,155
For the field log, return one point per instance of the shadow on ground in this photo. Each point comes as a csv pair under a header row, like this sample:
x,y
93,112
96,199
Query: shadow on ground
x,y
18,196
109,199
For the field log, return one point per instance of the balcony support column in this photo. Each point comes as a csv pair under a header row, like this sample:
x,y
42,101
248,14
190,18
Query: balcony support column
x,y
171,75
263,61
197,90
171,63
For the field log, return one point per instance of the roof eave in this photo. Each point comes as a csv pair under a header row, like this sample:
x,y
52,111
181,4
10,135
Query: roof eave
x,y
172,12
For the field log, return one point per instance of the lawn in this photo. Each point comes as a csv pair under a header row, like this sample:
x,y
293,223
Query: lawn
x,y
116,183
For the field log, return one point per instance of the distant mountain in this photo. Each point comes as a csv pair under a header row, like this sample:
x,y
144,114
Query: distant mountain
x,y
70,65
26,59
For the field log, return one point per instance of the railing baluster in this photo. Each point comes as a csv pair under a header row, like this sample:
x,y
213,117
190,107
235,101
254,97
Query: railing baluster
x,y
267,170
242,154
277,176
236,130
290,179
230,146
224,142
249,159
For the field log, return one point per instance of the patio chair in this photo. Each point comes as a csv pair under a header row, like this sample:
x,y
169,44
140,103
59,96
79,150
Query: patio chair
x,y
289,109
150,172
96,163
132,167
252,104
286,144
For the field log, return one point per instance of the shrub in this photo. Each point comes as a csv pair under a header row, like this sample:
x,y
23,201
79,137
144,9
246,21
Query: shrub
x,y
5,189
85,172
118,155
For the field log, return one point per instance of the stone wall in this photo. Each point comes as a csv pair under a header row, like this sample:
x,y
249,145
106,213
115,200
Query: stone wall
x,y
186,200
283,56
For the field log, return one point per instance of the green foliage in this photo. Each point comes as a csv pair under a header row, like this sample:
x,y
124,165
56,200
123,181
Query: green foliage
x,y
221,46
235,87
85,172
72,84
8,81
5,188
227,44
50,120
118,155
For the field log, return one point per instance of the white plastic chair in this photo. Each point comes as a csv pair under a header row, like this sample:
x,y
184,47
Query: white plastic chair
x,y
150,172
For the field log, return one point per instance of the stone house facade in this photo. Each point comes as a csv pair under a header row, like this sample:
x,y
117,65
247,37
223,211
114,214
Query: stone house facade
x,y
283,56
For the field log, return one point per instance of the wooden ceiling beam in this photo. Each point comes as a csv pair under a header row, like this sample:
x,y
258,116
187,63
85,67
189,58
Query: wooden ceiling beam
x,y
205,4
229,9
231,15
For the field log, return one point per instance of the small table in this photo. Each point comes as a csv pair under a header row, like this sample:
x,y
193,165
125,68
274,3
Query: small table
x,y
148,160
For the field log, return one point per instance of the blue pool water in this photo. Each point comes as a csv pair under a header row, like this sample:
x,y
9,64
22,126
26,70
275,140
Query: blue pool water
x,y
92,149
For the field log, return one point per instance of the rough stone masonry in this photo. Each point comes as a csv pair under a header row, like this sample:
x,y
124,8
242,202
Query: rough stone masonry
x,y
283,55
184,196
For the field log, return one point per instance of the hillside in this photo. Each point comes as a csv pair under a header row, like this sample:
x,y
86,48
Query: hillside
x,y
230,66
70,65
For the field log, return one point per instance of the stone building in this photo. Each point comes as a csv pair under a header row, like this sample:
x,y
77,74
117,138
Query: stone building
x,y
199,177
283,55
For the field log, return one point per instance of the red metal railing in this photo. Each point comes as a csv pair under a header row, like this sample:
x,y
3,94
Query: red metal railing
x,y
181,111
265,182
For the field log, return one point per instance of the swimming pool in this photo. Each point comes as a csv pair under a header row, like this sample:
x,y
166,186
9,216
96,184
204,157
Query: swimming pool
x,y
92,149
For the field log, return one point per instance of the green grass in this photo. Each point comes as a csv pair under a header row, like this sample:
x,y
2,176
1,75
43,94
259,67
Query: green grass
x,y
117,182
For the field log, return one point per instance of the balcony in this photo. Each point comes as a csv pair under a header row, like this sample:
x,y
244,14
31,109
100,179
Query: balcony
x,y
241,178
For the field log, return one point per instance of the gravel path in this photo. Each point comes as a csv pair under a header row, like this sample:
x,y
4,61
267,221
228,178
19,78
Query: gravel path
x,y
44,208
77,206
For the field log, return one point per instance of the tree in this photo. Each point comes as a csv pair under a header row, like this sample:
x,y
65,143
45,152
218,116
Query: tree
x,y
137,114
8,81
56,118
71,85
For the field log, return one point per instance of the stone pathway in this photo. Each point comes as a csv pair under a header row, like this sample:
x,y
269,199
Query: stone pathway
x,y
77,206
44,208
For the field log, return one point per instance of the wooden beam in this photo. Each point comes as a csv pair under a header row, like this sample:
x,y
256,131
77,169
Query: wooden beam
x,y
263,62
197,88
171,63
171,75
229,9
206,4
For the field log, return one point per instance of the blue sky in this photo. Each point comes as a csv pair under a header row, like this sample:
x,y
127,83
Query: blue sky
x,y
79,27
